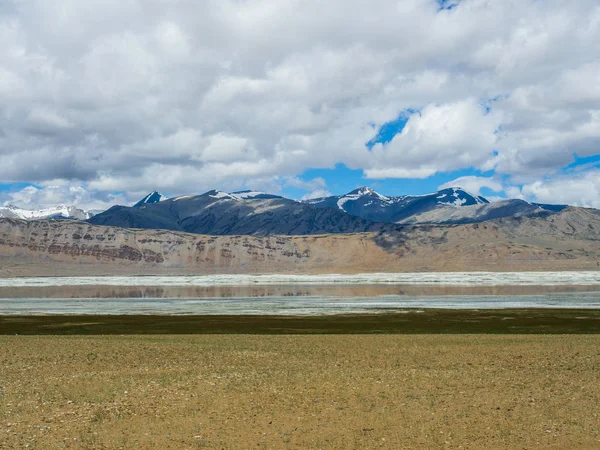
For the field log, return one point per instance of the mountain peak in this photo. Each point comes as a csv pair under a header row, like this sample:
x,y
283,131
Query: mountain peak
x,y
457,196
365,191
152,197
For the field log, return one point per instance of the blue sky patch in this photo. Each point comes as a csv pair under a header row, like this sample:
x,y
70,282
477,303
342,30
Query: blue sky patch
x,y
388,130
448,4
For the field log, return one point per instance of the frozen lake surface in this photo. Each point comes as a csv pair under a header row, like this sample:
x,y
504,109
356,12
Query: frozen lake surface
x,y
298,294
309,305
437,278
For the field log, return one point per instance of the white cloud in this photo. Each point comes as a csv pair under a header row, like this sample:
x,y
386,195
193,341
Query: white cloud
x,y
317,187
439,138
575,189
43,119
182,96
474,184
61,192
316,194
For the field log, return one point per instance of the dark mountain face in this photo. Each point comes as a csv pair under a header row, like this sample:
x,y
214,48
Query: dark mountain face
x,y
368,204
152,197
220,213
554,208
260,214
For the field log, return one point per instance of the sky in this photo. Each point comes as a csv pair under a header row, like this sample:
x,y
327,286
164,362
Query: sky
x,y
103,101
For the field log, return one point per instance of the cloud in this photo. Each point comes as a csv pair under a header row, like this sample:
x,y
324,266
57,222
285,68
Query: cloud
x,y
439,138
474,184
575,189
61,192
184,96
316,194
317,187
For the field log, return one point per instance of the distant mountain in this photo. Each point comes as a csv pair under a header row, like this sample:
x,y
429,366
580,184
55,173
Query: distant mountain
x,y
568,240
245,195
368,204
555,208
239,213
152,197
56,212
259,213
446,214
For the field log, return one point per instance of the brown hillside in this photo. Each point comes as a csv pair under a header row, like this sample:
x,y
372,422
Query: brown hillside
x,y
569,240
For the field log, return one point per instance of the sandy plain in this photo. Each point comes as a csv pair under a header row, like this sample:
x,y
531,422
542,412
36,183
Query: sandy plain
x,y
317,391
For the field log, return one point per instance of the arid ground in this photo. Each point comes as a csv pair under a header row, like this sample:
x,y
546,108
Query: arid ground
x,y
311,391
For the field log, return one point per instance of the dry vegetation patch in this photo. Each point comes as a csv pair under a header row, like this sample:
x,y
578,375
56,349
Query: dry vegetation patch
x,y
347,391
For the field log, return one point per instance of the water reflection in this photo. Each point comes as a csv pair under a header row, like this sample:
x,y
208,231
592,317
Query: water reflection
x,y
279,291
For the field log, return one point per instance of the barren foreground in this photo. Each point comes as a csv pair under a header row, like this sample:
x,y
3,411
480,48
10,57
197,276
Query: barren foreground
x,y
346,391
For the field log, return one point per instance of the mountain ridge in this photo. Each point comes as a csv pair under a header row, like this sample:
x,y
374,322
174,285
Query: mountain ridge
x,y
363,209
240,212
221,213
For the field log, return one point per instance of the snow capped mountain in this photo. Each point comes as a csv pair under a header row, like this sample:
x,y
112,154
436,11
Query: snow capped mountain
x,y
256,212
152,197
369,204
238,196
56,212
362,193
248,195
220,195
451,214
459,197
239,213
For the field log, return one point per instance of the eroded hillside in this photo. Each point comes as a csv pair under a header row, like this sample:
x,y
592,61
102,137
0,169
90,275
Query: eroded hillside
x,y
568,240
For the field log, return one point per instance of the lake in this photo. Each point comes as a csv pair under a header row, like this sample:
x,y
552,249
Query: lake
x,y
297,295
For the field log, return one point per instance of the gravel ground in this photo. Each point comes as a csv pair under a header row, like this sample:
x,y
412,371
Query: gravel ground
x,y
312,391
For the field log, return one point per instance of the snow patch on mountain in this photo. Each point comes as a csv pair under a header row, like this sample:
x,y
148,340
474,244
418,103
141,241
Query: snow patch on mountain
x,y
450,213
247,194
221,195
182,197
55,212
358,194
460,198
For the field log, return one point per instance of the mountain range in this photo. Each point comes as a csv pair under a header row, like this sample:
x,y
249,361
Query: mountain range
x,y
567,240
258,213
448,206
247,213
255,232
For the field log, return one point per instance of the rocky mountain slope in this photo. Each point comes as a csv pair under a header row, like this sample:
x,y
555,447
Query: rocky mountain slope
x,y
152,197
568,240
248,213
452,205
260,214
446,214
